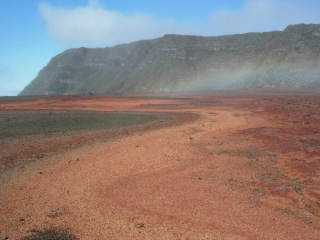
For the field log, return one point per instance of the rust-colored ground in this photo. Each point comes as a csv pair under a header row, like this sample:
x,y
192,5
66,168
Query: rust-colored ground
x,y
248,167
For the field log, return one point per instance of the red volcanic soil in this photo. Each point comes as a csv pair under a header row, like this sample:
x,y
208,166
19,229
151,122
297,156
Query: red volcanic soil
x,y
248,167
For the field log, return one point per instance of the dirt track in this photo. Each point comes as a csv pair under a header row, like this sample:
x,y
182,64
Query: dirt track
x,y
220,176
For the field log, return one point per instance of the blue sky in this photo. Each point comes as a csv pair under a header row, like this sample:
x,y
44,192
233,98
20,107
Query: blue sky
x,y
33,31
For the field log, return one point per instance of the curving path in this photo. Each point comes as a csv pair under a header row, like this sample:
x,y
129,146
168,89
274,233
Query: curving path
x,y
167,183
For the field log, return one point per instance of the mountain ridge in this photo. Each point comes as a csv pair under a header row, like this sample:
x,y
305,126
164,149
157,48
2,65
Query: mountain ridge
x,y
288,59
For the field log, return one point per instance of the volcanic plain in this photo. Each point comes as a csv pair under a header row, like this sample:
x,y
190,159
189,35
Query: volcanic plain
x,y
225,166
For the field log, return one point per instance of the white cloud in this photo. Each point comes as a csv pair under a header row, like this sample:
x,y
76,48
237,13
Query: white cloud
x,y
264,15
93,25
96,26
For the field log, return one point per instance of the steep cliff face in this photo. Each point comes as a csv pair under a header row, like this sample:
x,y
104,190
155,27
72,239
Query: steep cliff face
x,y
288,59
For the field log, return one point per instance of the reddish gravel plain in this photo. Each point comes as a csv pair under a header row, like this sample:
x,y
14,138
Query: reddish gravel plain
x,y
226,167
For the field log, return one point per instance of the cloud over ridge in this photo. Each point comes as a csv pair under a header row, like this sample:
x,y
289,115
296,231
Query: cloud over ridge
x,y
264,15
94,25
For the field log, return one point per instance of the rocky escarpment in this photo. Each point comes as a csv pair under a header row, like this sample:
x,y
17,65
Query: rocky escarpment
x,y
288,59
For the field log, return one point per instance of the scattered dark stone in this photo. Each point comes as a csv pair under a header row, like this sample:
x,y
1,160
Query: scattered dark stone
x,y
51,234
140,225
55,213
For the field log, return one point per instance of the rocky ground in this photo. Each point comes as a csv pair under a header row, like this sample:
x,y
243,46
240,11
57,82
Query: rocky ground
x,y
224,167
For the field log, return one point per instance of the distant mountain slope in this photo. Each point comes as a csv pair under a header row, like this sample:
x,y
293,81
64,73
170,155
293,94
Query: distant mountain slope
x,y
288,59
